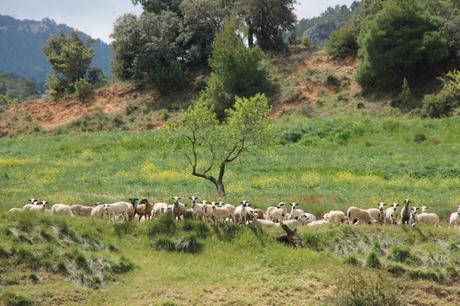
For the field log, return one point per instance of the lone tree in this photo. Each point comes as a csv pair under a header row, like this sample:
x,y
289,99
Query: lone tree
x,y
209,146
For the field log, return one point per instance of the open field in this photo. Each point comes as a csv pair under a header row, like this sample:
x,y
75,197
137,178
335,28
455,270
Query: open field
x,y
323,165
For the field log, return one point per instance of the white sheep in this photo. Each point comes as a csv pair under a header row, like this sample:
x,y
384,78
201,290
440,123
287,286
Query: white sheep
x,y
221,213
119,209
98,211
39,207
198,211
178,209
318,223
266,223
295,212
159,209
378,214
336,216
242,212
61,209
359,216
81,210
454,219
15,210
391,214
427,218
278,213
292,224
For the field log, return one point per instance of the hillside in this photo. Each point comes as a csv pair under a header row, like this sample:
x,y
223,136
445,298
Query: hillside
x,y
21,43
307,83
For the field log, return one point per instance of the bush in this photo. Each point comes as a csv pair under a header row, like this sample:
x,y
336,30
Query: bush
x,y
13,299
443,103
188,245
165,225
163,243
306,42
342,43
359,289
83,89
396,269
402,254
351,260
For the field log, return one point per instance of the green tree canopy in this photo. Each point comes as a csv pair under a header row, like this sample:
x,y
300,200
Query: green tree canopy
x,y
209,147
402,40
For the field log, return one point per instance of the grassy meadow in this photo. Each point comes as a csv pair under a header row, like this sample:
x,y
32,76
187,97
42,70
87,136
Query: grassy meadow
x,y
322,164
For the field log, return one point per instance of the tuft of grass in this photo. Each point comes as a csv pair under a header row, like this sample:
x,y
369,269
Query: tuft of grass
x,y
402,254
163,243
352,260
396,269
365,289
188,245
9,298
372,260
165,225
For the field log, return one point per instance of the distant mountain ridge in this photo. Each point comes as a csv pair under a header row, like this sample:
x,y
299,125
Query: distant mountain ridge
x,y
21,47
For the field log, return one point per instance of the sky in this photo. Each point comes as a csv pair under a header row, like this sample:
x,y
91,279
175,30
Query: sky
x,y
96,17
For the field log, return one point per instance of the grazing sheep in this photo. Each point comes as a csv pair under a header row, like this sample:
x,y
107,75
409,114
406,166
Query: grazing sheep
x,y
144,209
229,207
359,216
159,209
335,216
405,213
391,214
378,213
39,207
454,219
119,209
318,223
62,209
427,218
15,210
178,209
81,210
98,211
274,208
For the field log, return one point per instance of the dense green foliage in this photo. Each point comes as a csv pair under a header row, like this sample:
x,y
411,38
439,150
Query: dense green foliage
x,y
70,59
20,88
236,70
401,41
318,29
443,103
21,42
342,43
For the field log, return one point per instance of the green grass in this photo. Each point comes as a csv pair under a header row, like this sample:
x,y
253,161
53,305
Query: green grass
x,y
322,164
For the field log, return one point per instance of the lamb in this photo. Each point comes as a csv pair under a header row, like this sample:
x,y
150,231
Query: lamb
x,y
39,207
359,216
117,209
144,209
454,219
335,216
81,210
405,213
62,209
229,207
178,208
259,213
391,214
273,208
378,213
98,211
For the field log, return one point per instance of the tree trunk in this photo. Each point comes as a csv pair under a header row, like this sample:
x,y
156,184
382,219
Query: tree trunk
x,y
250,37
220,188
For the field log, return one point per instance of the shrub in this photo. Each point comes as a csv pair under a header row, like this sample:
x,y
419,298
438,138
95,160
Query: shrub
x,y
3,252
419,138
306,42
163,243
402,254
405,97
12,299
443,103
188,245
359,289
372,260
351,260
123,266
164,225
396,269
83,89
342,43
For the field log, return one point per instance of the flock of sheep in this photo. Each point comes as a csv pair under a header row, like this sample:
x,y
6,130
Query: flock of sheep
x,y
213,212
